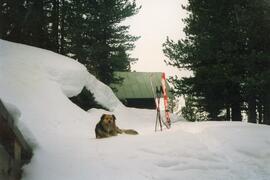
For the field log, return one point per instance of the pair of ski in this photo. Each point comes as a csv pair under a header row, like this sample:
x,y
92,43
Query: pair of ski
x,y
161,91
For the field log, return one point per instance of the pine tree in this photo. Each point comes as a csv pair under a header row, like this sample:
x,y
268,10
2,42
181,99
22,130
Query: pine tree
x,y
226,47
102,43
90,31
258,66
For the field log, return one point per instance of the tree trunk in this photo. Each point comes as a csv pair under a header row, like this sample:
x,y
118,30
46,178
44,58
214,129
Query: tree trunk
x,y
228,113
40,24
55,26
236,111
252,116
15,32
260,112
266,109
62,27
236,104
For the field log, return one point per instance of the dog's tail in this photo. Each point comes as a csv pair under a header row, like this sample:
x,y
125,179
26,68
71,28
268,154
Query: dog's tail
x,y
130,131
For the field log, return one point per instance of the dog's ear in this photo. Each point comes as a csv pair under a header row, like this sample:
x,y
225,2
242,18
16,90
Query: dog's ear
x,y
114,118
102,117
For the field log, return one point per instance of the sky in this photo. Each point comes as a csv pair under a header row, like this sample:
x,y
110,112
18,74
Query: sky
x,y
156,20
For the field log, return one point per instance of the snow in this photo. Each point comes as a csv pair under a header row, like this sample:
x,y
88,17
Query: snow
x,y
36,84
23,67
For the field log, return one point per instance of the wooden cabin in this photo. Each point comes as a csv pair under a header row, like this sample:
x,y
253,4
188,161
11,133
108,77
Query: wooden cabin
x,y
14,150
138,88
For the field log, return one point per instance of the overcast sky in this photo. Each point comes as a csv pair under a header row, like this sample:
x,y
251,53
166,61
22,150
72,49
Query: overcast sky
x,y
156,20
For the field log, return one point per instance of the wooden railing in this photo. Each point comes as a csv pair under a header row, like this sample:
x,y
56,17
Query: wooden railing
x,y
15,151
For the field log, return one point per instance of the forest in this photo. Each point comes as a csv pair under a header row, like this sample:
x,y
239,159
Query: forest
x,y
227,48
90,31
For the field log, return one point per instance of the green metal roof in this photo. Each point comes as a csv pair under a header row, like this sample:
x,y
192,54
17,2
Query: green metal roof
x,y
138,84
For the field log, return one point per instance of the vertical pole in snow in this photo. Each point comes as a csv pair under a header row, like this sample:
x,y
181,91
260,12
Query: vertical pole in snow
x,y
166,104
157,95
158,117
157,102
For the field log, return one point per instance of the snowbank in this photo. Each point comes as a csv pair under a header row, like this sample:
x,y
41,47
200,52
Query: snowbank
x,y
24,67
36,84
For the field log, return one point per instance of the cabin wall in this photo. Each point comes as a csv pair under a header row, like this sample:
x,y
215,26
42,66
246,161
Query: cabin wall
x,y
11,149
144,103
10,164
4,164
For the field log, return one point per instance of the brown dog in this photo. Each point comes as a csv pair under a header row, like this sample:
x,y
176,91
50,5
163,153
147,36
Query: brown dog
x,y
106,127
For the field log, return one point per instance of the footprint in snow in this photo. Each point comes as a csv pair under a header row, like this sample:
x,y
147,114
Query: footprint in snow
x,y
167,164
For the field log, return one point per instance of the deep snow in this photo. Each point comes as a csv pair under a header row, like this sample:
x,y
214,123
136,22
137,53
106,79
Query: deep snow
x,y
35,84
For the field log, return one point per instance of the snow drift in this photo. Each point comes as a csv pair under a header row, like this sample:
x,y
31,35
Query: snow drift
x,y
37,83
24,67
35,86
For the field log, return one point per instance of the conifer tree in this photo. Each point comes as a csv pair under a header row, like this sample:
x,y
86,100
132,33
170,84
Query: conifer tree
x,y
90,31
226,47
102,42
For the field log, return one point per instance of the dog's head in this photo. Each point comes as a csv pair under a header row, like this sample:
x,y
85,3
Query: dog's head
x,y
108,120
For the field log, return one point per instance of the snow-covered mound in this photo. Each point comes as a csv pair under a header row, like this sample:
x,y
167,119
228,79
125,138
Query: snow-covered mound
x,y
23,68
35,86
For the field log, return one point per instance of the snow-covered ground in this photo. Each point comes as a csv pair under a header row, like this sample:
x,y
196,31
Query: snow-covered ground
x,y
35,86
